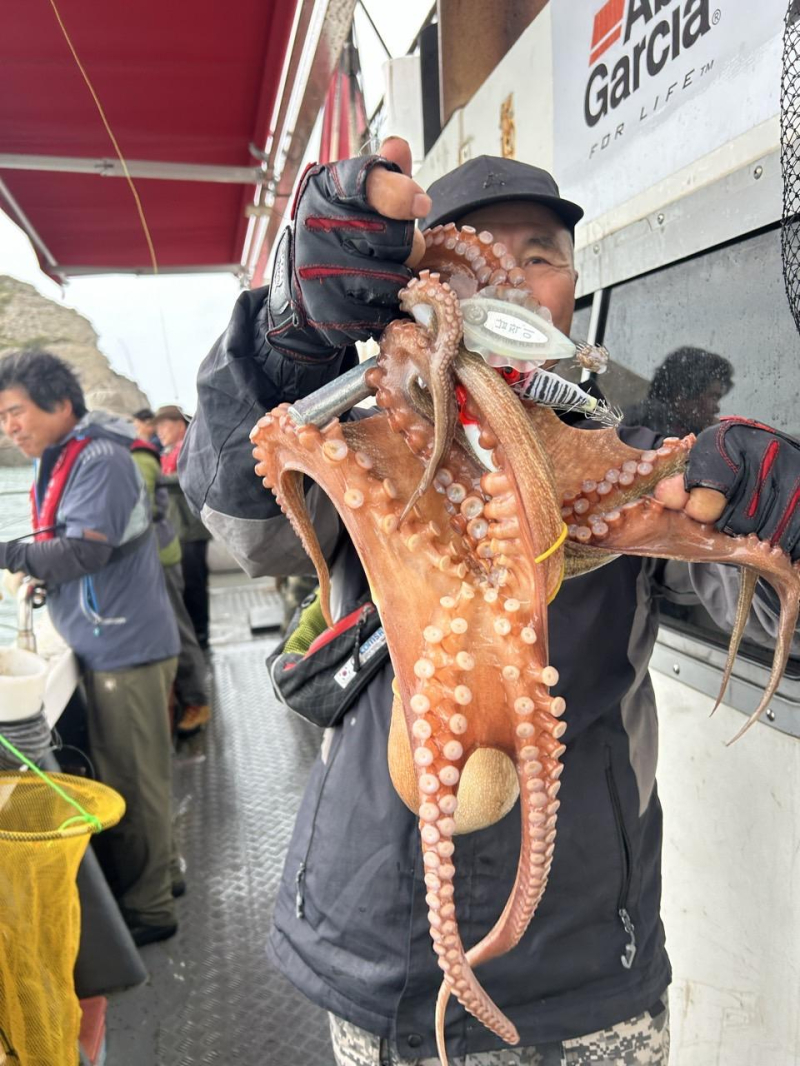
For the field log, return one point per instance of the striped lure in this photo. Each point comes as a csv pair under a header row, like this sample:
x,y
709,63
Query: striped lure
x,y
550,390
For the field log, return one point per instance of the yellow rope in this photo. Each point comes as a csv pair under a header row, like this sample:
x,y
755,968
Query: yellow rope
x,y
110,133
553,547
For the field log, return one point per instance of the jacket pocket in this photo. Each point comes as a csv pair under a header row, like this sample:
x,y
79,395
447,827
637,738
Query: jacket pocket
x,y
626,864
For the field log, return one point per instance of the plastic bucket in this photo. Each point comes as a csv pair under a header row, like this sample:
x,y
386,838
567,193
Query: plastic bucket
x,y
23,676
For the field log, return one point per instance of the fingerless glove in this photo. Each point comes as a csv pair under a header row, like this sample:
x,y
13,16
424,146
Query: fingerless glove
x,y
339,266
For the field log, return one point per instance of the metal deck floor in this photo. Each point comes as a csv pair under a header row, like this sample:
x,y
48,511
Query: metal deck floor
x,y
212,997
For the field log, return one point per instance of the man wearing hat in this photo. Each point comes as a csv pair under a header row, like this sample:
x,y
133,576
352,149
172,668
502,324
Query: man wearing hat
x,y
588,981
170,423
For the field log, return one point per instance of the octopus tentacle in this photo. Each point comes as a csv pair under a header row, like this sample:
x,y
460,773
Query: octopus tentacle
x,y
288,491
529,477
786,587
441,317
539,768
645,527
437,850
746,590
467,256
478,542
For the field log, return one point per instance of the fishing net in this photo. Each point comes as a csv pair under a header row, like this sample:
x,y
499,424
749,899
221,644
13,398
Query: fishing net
x,y
45,824
790,158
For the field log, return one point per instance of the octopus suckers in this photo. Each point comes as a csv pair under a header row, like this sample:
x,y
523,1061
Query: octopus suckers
x,y
354,498
335,451
424,668
458,724
419,703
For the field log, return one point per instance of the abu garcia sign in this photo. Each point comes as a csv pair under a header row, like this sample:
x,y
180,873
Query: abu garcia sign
x,y
654,34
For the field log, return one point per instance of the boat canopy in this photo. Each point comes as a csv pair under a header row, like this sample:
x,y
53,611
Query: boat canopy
x,y
186,89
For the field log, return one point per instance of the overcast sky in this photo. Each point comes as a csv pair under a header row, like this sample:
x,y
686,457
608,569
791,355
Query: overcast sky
x,y
146,324
127,313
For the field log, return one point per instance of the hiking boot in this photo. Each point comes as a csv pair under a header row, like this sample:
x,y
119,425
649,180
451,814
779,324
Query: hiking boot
x,y
192,718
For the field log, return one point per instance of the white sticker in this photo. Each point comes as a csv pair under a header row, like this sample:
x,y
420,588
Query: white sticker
x,y
370,647
516,328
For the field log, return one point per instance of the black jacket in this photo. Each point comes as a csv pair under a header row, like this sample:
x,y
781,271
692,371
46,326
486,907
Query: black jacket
x,y
350,926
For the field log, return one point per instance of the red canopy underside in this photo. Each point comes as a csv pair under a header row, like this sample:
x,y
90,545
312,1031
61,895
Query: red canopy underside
x,y
179,83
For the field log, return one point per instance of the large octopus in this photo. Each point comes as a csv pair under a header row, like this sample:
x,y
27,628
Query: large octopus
x,y
462,563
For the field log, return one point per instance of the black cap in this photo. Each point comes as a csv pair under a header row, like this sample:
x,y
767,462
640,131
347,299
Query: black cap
x,y
490,179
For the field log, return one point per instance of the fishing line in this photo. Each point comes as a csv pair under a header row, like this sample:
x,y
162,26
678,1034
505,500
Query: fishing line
x,y
128,178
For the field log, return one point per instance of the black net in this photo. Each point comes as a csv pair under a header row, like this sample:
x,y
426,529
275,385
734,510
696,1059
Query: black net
x,y
790,158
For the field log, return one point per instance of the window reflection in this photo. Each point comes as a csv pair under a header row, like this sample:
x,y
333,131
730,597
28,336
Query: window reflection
x,y
685,393
706,336
731,301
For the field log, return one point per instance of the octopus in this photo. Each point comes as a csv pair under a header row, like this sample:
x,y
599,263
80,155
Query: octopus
x,y
465,540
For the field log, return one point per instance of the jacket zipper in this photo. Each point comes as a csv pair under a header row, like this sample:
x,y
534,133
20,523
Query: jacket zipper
x,y
625,855
300,876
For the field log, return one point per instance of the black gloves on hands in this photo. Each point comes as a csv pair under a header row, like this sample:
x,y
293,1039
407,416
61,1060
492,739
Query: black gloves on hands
x,y
339,269
758,470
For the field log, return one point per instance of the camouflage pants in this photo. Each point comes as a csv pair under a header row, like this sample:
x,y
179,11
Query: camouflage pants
x,y
640,1041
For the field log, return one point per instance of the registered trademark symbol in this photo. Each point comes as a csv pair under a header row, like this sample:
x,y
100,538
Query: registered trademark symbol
x,y
716,16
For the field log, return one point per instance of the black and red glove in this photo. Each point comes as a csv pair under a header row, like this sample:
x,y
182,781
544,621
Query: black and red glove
x,y
757,469
339,267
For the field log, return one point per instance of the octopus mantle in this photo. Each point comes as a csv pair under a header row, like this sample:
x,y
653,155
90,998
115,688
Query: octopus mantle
x,y
464,547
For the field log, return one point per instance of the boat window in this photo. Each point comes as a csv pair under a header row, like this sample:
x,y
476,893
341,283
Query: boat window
x,y
580,320
708,336
579,331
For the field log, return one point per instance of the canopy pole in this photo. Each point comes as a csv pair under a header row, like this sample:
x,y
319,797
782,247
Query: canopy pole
x,y
27,225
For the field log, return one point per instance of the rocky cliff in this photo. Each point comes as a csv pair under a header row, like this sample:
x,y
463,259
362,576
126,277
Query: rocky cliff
x,y
28,319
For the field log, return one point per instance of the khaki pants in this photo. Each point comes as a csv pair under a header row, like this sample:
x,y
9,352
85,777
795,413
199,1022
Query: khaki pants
x,y
130,745
191,686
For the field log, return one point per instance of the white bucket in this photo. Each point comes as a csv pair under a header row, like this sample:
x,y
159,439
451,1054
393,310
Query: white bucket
x,y
23,676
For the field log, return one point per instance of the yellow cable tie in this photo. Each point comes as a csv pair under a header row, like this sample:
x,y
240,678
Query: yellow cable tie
x,y
553,547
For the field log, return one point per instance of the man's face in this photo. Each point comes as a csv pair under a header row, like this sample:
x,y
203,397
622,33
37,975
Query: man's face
x,y
541,245
706,405
170,431
144,429
31,428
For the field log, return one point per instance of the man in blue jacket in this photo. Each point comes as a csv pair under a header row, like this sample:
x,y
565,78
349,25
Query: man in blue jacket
x,y
95,551
587,982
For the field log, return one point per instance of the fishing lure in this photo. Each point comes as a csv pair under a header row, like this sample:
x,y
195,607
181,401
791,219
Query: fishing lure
x,y
508,328
550,390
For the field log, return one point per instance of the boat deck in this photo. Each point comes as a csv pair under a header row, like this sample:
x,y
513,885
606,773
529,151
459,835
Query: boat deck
x,y
212,996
